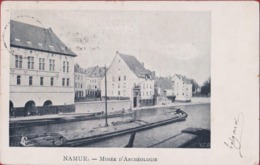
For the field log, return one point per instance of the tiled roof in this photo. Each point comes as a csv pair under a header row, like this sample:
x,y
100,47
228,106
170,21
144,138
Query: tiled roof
x,y
183,78
136,66
163,83
36,38
95,72
78,69
89,71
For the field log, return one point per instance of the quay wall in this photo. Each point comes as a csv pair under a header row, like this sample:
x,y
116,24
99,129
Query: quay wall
x,y
99,106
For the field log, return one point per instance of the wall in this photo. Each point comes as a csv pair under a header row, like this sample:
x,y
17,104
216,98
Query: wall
x,y
118,68
17,112
58,94
99,106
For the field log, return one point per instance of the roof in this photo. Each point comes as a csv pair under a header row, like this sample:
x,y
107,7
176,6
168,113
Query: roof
x,y
36,38
78,69
183,78
136,66
95,72
163,83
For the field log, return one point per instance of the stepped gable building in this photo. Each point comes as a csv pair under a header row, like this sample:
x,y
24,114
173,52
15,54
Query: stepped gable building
x,y
41,69
128,78
94,76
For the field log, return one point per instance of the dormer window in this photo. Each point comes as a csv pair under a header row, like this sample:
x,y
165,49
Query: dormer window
x,y
51,47
29,42
17,39
40,44
62,48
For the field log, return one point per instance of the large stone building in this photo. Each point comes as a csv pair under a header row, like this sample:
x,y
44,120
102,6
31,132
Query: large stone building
x,y
79,81
182,87
41,69
94,76
128,78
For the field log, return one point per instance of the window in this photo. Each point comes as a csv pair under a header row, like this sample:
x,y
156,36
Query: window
x,y
30,62
64,66
119,78
30,80
18,61
150,93
63,81
68,82
118,93
118,85
67,67
41,63
124,77
51,64
18,80
124,85
113,86
51,81
143,94
146,93
41,80
144,86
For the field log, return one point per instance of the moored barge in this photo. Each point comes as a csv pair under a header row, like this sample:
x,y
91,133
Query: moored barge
x,y
88,136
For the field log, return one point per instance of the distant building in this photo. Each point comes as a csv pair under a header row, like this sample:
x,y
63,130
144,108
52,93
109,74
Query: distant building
x,y
79,81
164,86
182,87
41,68
164,93
94,76
128,78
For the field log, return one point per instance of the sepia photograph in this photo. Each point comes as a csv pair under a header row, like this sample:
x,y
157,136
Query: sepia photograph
x,y
117,79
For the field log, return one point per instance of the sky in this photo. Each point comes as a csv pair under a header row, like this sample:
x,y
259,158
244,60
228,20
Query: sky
x,y
167,42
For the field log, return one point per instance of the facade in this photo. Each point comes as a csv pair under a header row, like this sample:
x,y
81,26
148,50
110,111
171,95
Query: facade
x,y
127,78
79,81
41,68
182,87
94,76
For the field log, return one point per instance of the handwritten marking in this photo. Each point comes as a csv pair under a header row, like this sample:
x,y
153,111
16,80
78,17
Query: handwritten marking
x,y
234,142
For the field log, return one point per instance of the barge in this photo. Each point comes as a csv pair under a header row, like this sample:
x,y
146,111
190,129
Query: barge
x,y
64,118
79,137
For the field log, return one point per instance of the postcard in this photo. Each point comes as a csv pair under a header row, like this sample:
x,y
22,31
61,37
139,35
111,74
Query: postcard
x,y
129,82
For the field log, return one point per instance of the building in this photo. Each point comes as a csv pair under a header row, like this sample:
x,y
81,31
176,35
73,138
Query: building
x,y
94,76
163,86
79,81
164,93
182,87
128,78
41,69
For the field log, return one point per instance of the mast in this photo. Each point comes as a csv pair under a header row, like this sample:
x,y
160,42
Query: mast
x,y
106,124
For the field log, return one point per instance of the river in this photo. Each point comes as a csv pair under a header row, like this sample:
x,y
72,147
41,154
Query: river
x,y
198,116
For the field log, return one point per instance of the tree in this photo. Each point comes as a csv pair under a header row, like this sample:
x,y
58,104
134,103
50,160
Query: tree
x,y
195,85
205,89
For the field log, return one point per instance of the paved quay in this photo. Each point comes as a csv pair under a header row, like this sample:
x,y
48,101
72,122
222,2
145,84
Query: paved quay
x,y
194,101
